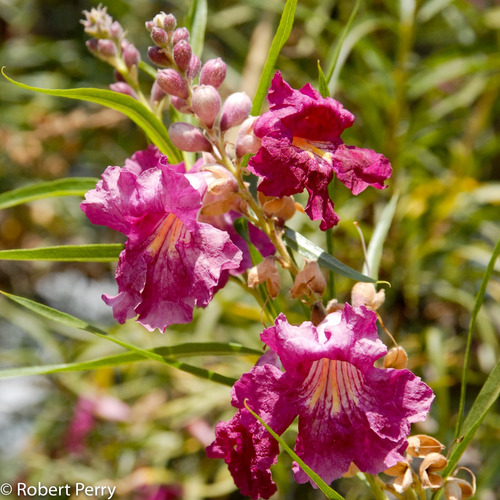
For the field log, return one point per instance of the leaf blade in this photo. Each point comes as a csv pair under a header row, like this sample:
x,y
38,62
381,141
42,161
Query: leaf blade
x,y
67,253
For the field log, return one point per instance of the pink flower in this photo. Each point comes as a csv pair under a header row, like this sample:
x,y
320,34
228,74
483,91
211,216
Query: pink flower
x,y
171,262
301,149
350,410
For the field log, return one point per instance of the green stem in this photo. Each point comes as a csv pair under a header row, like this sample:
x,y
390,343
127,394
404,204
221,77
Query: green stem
x,y
376,487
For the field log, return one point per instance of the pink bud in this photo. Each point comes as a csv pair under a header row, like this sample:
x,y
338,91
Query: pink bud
x,y
130,54
235,110
246,141
123,88
159,57
169,22
171,82
116,30
106,48
213,72
181,34
181,105
206,104
194,67
157,93
159,37
187,137
182,54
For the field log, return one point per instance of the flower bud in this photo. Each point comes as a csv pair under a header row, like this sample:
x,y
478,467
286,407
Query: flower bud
x,y
116,31
157,93
160,37
123,88
106,48
246,141
206,104
160,20
334,305
172,83
169,22
130,54
235,110
187,137
194,67
181,104
182,54
309,280
266,271
181,34
159,57
396,358
213,72
421,445
318,313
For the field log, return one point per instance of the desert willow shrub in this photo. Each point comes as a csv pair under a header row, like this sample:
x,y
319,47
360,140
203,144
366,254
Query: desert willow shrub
x,y
206,203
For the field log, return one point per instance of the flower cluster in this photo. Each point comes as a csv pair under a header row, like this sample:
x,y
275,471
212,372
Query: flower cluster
x,y
183,245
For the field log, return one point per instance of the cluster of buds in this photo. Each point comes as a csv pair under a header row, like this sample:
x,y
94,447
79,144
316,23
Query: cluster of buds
x,y
110,45
431,462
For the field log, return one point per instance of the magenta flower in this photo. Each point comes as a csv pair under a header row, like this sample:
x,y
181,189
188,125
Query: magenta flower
x,y
171,262
301,149
348,409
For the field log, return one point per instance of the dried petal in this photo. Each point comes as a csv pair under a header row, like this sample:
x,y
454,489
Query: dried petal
x,y
421,445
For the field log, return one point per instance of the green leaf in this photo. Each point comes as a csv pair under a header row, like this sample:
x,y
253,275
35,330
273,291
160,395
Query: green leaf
x,y
322,82
328,492
72,186
281,36
475,311
376,246
196,23
338,47
310,250
67,253
72,321
189,349
152,126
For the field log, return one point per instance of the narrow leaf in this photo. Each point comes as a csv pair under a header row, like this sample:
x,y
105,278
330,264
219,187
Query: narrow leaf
x,y
322,82
72,186
376,246
472,324
310,250
72,321
280,38
197,23
67,253
152,126
189,349
329,492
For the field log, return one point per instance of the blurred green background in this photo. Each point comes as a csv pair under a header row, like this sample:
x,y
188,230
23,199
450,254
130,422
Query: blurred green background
x,y
422,79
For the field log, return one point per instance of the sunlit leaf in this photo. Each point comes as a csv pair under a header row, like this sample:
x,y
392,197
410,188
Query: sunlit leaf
x,y
66,253
72,186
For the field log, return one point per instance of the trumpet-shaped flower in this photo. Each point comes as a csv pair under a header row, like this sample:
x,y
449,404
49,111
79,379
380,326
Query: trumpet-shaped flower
x,y
171,261
301,149
348,409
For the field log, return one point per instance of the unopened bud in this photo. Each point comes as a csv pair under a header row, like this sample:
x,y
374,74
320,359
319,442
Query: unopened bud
x,y
123,88
396,358
187,137
182,54
266,271
157,93
159,21
432,463
318,313
130,54
309,280
159,57
206,104
213,72
106,48
169,22
172,83
116,31
181,105
160,37
421,445
194,67
246,141
365,294
235,110
181,34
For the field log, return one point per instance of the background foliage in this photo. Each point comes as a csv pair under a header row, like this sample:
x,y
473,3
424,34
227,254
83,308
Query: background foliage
x,y
423,81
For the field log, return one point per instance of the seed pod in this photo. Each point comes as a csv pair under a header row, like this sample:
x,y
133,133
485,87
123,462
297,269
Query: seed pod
x,y
421,445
